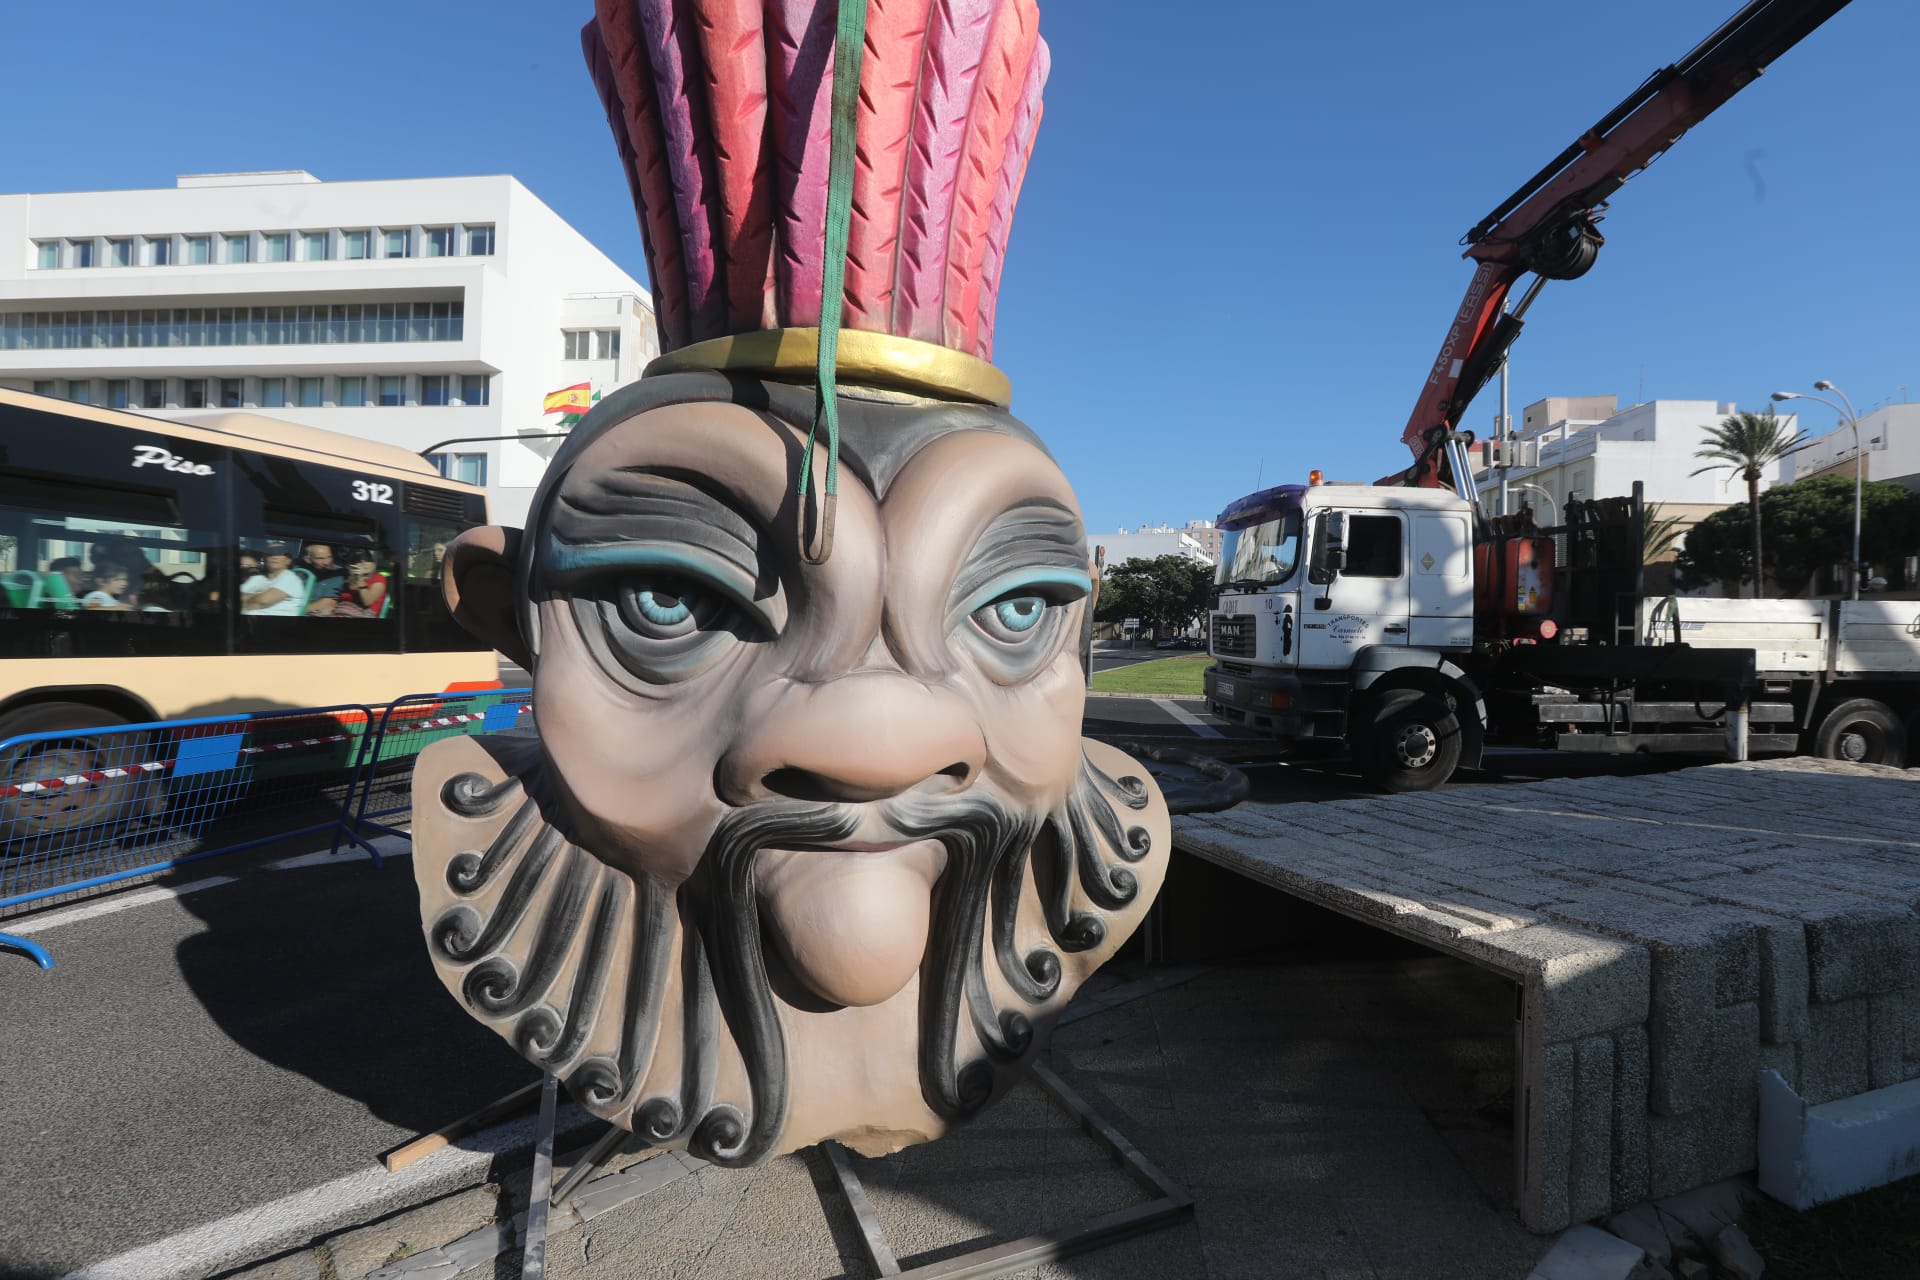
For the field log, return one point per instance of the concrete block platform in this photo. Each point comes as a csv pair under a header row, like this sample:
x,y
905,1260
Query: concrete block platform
x,y
1671,935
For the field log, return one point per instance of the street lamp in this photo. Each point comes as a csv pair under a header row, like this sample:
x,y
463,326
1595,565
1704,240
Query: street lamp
x,y
1855,568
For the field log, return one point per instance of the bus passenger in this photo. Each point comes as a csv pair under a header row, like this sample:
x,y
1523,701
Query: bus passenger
x,y
70,568
328,577
109,584
277,590
366,589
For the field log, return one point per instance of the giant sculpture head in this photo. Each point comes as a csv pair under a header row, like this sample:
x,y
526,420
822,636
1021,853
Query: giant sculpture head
x,y
805,845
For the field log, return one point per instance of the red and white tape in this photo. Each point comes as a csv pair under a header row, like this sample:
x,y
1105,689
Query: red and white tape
x,y
162,766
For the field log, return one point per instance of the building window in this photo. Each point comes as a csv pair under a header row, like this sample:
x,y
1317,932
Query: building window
x,y
313,246
226,326
395,243
353,391
153,393
273,393
80,390
309,393
468,468
606,344
230,392
49,254
433,388
273,247
199,250
82,253
194,393
116,393
439,242
353,244
393,390
44,387
480,241
159,250
236,249
120,253
474,388
579,342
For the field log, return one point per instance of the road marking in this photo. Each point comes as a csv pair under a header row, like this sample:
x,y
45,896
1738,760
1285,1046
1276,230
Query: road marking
x,y
39,924
1200,727
389,846
254,1233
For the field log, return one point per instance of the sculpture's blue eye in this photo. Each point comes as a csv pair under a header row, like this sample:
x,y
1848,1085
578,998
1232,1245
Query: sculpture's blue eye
x,y
662,607
1021,614
1012,619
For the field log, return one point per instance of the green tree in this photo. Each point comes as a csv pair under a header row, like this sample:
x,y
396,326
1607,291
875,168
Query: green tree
x,y
1749,443
1809,525
1167,591
1662,531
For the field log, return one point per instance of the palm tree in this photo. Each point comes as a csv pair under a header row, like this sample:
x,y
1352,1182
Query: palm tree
x,y
1662,532
1749,443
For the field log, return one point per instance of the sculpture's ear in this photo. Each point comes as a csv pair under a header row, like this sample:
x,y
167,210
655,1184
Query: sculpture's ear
x,y
477,580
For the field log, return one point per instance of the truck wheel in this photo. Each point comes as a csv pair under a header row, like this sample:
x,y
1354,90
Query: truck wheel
x,y
1861,731
1413,743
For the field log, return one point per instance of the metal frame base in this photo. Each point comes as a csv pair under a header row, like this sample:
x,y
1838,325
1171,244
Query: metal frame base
x,y
1169,1205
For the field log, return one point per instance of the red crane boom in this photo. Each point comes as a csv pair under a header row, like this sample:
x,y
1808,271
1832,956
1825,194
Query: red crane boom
x,y
1548,226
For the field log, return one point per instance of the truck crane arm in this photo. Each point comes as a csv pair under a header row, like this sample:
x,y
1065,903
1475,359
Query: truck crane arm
x,y
1548,226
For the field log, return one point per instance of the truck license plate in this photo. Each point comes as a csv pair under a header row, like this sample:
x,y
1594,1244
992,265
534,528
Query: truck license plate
x,y
1224,688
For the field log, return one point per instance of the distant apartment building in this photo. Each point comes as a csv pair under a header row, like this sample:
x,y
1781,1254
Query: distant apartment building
x,y
410,311
1197,540
1889,449
1591,449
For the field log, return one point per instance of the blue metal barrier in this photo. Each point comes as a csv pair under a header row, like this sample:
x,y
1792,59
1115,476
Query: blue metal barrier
x,y
383,776
84,808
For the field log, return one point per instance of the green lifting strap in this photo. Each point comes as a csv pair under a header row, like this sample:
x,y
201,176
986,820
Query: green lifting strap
x,y
848,46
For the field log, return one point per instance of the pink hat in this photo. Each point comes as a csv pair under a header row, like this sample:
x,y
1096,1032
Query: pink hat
x,y
719,109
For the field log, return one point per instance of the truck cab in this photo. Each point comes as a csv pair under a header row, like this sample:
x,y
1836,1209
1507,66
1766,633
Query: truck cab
x,y
1340,610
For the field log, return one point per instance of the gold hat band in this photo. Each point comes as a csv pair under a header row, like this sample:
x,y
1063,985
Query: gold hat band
x,y
875,359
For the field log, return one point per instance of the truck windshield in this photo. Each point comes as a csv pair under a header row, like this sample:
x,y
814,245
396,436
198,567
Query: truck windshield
x,y
1260,553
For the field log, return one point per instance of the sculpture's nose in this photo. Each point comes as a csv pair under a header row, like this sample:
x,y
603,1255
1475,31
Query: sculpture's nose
x,y
857,738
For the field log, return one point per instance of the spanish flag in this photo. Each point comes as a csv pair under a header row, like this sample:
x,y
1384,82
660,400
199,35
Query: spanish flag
x,y
575,399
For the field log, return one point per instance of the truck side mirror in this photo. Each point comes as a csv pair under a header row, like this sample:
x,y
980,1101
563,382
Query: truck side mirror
x,y
1329,558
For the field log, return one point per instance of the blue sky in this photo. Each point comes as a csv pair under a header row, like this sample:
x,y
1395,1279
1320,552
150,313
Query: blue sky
x,y
1236,249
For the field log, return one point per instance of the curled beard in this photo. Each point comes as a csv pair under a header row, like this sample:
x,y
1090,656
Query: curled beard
x,y
513,955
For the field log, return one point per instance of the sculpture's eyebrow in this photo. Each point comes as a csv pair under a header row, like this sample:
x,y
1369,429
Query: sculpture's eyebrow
x,y
625,503
1039,543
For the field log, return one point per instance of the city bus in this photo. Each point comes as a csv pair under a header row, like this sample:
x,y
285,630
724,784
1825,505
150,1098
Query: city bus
x,y
154,570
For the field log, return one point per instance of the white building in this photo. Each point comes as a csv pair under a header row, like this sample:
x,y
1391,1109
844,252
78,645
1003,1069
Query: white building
x,y
1588,450
1149,542
409,312
1889,437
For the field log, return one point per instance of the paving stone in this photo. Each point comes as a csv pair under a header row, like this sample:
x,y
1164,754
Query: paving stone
x,y
1733,1251
1835,1057
1588,1253
1886,1038
1576,983
1640,1225
1630,1099
1590,1160
1784,984
1736,1060
356,1253
1550,1121
1869,953
1784,1059
303,1265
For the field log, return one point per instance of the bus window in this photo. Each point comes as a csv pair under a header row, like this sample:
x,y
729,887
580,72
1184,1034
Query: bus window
x,y
318,540
101,565
434,518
